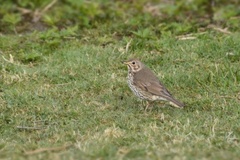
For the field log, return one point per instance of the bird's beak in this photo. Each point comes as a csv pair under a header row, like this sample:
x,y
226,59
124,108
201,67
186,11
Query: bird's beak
x,y
125,62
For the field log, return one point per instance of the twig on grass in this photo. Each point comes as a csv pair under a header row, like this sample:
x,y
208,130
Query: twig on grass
x,y
223,30
29,128
189,36
11,60
128,45
52,149
39,14
186,38
24,10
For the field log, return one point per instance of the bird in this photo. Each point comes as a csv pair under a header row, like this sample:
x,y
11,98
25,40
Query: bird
x,y
145,84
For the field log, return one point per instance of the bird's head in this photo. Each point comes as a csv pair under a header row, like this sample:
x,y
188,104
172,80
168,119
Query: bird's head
x,y
134,65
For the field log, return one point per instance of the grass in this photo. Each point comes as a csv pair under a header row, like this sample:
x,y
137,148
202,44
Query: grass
x,y
77,95
64,95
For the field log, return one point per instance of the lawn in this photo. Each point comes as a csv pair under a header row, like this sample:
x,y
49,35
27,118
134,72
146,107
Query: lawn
x,y
64,93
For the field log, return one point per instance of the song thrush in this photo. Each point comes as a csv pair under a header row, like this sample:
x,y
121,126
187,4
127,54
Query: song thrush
x,y
145,85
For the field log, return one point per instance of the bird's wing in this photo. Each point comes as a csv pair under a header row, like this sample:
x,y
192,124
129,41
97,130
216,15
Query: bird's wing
x,y
156,88
147,81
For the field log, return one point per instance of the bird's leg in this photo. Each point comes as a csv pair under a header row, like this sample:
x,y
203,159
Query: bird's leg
x,y
147,105
142,103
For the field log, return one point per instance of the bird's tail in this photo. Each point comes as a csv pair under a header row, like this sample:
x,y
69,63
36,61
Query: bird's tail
x,y
176,103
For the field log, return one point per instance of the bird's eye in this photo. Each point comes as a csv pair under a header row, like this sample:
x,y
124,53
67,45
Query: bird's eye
x,y
133,62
